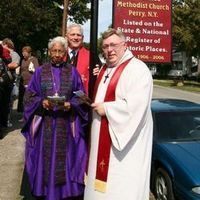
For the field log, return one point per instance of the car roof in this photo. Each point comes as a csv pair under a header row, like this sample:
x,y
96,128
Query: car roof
x,y
164,105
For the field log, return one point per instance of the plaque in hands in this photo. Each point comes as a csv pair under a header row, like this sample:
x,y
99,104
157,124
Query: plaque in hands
x,y
83,97
56,100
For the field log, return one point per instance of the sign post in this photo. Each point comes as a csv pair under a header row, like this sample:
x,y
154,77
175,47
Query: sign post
x,y
93,43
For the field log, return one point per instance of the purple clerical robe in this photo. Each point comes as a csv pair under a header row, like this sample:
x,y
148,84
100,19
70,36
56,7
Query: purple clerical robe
x,y
56,152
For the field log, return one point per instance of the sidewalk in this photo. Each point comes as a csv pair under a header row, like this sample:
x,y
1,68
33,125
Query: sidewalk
x,y
11,165
11,160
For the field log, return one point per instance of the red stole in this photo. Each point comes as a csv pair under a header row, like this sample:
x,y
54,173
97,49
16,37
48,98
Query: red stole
x,y
83,66
104,147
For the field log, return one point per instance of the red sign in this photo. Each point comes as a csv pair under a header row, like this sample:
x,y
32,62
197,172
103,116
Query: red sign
x,y
147,26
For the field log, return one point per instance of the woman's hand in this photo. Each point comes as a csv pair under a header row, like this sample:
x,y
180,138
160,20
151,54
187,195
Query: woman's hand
x,y
67,106
47,104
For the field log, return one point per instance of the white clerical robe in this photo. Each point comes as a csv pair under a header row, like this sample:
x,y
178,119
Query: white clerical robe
x,y
130,128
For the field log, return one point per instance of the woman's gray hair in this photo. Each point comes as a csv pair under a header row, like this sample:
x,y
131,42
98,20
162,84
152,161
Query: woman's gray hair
x,y
58,39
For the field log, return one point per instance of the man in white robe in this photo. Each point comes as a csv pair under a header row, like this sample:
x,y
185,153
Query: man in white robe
x,y
130,126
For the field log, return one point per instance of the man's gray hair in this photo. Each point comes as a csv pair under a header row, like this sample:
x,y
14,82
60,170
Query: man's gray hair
x,y
58,39
69,27
112,31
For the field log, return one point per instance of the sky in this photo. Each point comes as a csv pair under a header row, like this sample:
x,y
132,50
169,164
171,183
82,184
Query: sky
x,y
104,19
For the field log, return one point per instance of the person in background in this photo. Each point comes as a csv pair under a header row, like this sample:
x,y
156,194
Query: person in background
x,y
121,132
28,65
78,55
12,66
5,82
55,121
8,44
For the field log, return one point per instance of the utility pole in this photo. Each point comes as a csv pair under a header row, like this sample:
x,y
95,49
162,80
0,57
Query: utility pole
x,y
65,13
93,43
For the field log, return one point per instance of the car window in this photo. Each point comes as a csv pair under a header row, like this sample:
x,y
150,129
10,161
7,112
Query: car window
x,y
177,126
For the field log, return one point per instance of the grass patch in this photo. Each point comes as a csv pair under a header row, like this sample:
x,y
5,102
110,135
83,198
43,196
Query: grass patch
x,y
190,86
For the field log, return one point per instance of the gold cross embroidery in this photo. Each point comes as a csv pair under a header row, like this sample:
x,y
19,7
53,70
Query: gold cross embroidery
x,y
102,165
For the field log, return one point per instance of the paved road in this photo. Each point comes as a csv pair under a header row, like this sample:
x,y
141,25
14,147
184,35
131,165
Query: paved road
x,y
163,92
12,147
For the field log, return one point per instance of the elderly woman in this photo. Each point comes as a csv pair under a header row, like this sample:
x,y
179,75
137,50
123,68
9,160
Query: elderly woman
x,y
55,157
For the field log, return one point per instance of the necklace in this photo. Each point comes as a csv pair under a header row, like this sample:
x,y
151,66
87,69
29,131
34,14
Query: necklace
x,y
55,88
107,74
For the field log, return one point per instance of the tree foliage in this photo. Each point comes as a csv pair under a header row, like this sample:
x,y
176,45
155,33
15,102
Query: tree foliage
x,y
186,26
79,11
34,22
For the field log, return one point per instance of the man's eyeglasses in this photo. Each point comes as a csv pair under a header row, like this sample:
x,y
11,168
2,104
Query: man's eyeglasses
x,y
111,45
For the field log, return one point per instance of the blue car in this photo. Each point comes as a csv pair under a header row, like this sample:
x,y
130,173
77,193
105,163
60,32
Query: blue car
x,y
175,172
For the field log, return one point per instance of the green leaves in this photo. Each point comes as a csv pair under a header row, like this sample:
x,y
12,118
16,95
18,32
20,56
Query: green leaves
x,y
186,25
79,11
